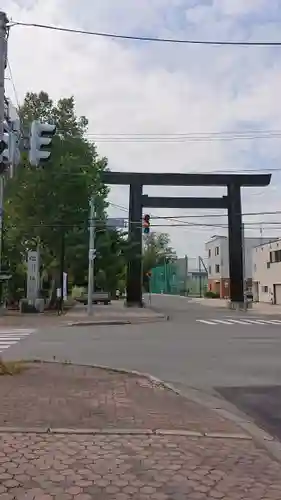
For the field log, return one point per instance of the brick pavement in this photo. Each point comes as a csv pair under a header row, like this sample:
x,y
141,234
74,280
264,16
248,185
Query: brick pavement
x,y
126,463
63,395
64,467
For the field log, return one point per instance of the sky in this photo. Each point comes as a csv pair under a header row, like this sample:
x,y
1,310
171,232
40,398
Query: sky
x,y
144,88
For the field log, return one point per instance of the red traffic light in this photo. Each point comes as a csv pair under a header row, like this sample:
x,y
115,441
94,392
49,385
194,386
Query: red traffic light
x,y
146,223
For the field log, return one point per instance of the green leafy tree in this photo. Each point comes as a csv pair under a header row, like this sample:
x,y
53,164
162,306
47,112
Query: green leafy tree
x,y
45,204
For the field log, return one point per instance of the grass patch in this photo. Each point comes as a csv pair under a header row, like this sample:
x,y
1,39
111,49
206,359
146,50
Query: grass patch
x,y
11,367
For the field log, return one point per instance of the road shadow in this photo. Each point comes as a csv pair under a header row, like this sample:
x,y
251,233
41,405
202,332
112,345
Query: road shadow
x,y
261,403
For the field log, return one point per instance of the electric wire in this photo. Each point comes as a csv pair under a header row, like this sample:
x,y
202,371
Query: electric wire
x,y
148,38
13,84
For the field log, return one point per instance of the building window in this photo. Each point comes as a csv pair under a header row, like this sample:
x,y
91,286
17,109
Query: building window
x,y
255,267
209,253
210,270
217,250
217,268
275,256
268,265
264,289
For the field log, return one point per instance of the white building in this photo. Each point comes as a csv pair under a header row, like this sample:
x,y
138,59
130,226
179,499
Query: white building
x,y
267,272
218,263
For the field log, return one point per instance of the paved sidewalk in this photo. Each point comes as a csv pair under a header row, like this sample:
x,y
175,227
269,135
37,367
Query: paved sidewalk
x,y
124,467
115,312
63,395
257,307
45,320
124,456
77,316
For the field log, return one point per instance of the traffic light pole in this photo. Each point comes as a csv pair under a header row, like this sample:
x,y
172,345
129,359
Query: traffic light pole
x,y
62,259
3,59
91,256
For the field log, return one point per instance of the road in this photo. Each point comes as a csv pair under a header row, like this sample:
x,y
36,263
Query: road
x,y
218,353
181,350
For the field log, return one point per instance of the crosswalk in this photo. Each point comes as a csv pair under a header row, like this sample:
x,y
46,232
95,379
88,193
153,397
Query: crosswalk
x,y
11,336
242,321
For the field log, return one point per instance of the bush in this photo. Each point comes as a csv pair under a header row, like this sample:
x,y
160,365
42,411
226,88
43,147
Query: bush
x,y
11,367
211,295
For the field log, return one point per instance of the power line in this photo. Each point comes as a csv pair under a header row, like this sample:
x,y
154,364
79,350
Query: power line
x,y
85,223
226,171
172,217
189,134
171,136
174,139
13,84
148,38
121,207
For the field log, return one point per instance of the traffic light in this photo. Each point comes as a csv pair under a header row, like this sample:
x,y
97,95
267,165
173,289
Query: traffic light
x,y
15,137
41,135
14,152
146,224
5,149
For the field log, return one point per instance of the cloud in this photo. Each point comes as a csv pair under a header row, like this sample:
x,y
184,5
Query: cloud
x,y
144,88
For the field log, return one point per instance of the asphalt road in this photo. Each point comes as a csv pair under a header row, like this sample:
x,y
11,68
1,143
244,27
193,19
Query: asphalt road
x,y
224,355
182,350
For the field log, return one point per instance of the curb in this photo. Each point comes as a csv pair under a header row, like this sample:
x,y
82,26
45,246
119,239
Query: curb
x,y
214,403
118,322
113,432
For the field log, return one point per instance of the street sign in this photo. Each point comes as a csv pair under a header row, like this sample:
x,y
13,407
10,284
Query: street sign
x,y
116,223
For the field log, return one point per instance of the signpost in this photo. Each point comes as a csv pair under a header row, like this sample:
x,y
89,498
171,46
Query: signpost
x,y
33,275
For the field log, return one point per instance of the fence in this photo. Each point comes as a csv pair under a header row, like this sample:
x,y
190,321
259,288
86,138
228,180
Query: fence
x,y
178,278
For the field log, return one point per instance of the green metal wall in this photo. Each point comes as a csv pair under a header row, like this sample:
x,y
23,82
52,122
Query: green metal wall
x,y
169,279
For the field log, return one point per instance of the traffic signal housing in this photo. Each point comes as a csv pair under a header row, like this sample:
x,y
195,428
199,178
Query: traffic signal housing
x,y
146,224
41,135
5,149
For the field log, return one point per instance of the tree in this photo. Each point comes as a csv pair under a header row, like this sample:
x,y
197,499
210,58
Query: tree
x,y
156,252
47,204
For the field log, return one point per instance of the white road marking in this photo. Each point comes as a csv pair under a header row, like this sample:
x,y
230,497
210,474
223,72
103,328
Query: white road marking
x,y
231,322
206,322
256,321
10,342
224,322
8,337
239,321
11,336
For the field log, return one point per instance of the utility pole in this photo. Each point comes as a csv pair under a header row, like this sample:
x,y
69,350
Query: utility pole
x,y
3,62
244,259
62,259
185,274
92,255
200,276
